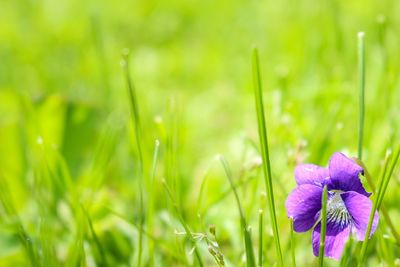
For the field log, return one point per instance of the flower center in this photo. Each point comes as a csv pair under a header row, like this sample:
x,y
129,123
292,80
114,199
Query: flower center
x,y
337,212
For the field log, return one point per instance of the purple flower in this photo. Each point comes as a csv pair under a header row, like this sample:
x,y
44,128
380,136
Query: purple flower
x,y
348,206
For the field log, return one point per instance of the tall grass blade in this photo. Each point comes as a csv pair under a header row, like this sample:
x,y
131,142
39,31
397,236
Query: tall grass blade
x,y
382,208
262,132
371,215
323,228
361,76
251,262
136,123
383,183
260,237
388,176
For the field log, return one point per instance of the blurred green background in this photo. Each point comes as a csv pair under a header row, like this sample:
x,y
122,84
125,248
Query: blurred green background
x,y
69,180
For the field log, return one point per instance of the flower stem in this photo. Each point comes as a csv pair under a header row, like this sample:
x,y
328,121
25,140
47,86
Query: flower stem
x,y
262,132
361,76
323,228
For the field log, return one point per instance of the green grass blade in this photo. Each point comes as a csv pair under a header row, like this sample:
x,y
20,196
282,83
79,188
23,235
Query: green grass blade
x,y
251,261
388,176
136,123
260,236
323,228
292,243
262,131
247,233
361,75
383,183
381,208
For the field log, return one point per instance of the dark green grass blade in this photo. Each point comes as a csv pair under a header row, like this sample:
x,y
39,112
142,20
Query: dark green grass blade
x,y
262,132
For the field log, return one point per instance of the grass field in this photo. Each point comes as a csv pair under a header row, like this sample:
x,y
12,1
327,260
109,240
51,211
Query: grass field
x,y
129,129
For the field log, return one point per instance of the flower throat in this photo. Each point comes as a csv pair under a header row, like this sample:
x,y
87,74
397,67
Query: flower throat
x,y
337,212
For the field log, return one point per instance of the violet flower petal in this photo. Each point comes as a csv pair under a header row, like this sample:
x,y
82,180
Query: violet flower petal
x,y
302,204
344,173
359,207
335,239
311,174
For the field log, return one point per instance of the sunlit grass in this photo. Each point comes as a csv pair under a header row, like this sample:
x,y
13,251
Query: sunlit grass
x,y
88,180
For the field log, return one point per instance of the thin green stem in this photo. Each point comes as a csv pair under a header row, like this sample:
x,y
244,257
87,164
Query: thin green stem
x,y
361,75
136,123
323,228
262,132
292,243
247,231
260,236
